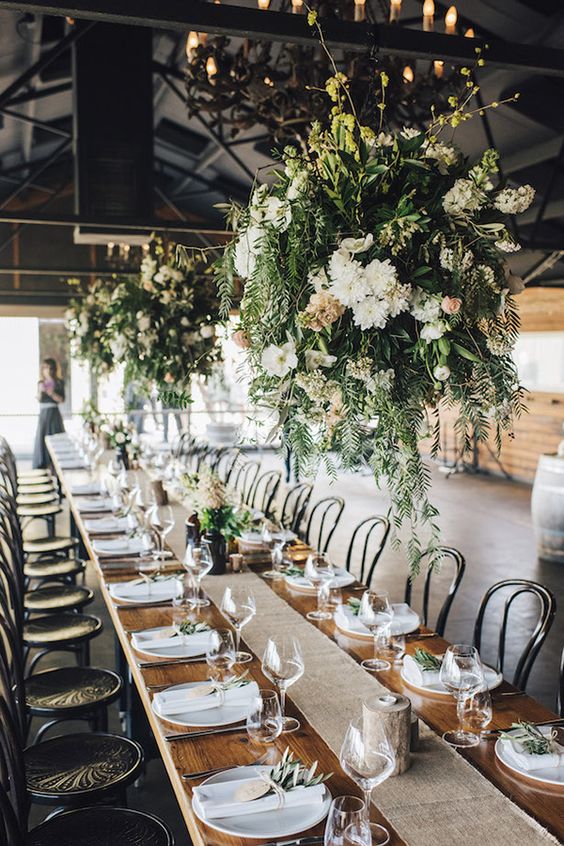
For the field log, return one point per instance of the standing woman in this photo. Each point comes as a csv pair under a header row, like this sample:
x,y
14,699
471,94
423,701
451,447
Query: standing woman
x,y
50,392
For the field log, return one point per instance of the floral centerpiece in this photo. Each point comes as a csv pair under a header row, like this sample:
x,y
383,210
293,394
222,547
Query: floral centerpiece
x,y
120,436
164,321
376,291
87,322
220,517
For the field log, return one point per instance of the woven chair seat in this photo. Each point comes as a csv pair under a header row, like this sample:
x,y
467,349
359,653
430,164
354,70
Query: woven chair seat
x,y
75,767
52,567
33,488
53,692
60,628
56,544
94,826
39,510
57,598
37,498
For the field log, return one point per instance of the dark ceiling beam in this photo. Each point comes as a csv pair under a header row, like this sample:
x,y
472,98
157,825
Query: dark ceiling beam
x,y
113,226
39,124
40,93
67,272
43,62
279,26
35,172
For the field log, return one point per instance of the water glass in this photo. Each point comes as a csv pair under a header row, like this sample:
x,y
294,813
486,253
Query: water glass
x,y
283,664
220,656
238,605
182,609
264,721
161,519
462,674
346,813
319,570
368,757
376,613
198,563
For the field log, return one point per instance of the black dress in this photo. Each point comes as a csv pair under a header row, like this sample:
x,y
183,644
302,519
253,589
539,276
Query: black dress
x,y
50,422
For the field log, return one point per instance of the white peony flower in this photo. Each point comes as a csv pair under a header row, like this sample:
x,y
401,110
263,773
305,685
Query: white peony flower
x,y
441,372
433,331
515,200
462,197
207,331
246,250
347,278
357,245
425,307
278,361
378,275
316,358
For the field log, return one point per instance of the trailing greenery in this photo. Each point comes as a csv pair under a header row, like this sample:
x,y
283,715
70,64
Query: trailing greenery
x,y
426,660
530,737
376,292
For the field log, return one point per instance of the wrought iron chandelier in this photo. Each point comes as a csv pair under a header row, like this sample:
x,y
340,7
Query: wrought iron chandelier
x,y
282,87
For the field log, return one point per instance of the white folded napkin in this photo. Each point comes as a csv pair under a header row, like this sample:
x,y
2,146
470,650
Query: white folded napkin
x,y
403,621
136,589
187,701
119,546
160,638
528,761
103,525
97,504
89,488
342,578
415,674
219,800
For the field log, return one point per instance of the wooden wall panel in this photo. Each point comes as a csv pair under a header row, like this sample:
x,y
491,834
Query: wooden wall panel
x,y
542,309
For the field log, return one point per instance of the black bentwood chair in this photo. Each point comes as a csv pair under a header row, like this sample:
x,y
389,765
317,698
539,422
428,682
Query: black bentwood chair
x,y
265,490
512,589
366,546
458,564
560,694
295,505
322,521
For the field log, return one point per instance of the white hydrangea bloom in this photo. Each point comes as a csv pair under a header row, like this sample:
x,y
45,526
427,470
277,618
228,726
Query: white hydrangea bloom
x,y
246,250
425,307
507,246
515,200
370,313
378,275
462,197
449,259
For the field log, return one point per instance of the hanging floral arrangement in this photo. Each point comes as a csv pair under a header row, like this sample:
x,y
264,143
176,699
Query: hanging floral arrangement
x,y
164,322
87,323
376,291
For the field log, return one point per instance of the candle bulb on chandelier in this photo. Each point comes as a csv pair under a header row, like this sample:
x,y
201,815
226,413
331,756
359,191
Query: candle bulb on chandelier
x,y
192,43
211,68
297,7
451,18
407,74
428,15
263,4
470,33
359,10
395,10
438,67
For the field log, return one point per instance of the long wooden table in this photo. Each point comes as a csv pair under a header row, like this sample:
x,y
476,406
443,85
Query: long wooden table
x,y
542,802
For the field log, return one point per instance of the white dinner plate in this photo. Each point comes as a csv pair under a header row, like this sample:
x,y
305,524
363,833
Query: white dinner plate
x,y
94,505
270,824
135,592
220,716
118,546
182,650
404,621
341,579
256,537
550,775
492,677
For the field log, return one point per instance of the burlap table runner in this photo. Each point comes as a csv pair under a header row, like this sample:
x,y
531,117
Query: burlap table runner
x,y
441,800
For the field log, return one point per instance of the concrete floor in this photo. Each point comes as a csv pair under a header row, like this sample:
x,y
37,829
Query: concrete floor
x,y
486,518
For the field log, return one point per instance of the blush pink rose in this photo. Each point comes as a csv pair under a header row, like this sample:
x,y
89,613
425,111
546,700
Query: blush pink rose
x,y
169,378
241,339
451,305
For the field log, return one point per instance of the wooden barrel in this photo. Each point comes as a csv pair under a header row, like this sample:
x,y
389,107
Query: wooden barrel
x,y
547,506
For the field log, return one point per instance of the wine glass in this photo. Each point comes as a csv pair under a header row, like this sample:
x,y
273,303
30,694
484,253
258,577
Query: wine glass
x,y
197,561
368,757
478,710
319,570
264,721
220,656
182,608
462,674
162,522
283,664
345,812
376,614
238,605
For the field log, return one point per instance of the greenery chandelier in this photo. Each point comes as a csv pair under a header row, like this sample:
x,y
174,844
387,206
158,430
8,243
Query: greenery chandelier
x,y
241,84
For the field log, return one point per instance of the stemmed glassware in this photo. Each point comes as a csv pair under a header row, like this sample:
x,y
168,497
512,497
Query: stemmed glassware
x,y
198,562
462,674
478,710
238,605
319,570
264,721
345,813
368,757
220,656
376,614
283,664
182,607
161,520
